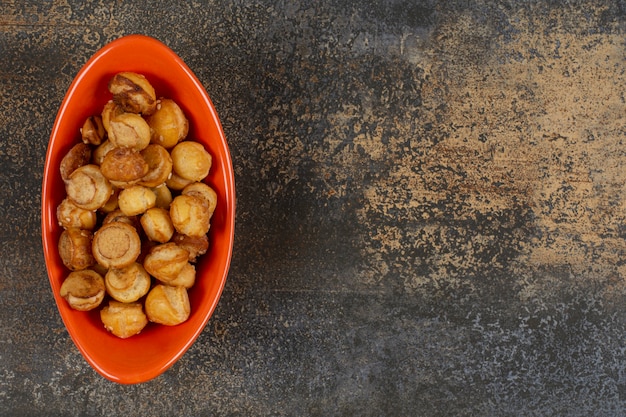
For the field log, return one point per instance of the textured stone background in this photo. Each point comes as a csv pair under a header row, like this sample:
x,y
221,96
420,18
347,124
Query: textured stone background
x,y
431,210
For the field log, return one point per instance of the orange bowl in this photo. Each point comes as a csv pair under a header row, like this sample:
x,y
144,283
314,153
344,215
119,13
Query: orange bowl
x,y
150,353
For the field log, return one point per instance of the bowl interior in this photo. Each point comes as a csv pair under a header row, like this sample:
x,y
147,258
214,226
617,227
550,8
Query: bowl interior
x,y
156,348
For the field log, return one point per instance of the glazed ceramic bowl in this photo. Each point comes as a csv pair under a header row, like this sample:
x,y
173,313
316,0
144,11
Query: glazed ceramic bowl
x,y
150,353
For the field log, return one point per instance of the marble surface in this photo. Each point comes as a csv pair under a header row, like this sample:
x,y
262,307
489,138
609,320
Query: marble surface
x,y
431,208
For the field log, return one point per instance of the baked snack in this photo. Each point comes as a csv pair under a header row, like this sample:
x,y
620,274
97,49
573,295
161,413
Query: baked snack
x,y
202,190
176,182
111,204
83,290
70,215
167,305
75,249
129,130
123,229
135,200
93,132
118,216
77,156
195,245
88,188
127,284
157,225
191,161
168,124
133,92
98,154
163,196
116,245
190,215
123,167
186,278
110,111
166,261
159,164
123,319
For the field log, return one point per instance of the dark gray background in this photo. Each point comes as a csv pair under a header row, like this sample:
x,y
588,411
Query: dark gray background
x,y
430,219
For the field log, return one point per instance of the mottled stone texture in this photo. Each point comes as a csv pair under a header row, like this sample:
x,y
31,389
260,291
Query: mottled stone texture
x,y
431,208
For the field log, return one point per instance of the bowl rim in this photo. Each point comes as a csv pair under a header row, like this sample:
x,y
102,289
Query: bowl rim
x,y
49,222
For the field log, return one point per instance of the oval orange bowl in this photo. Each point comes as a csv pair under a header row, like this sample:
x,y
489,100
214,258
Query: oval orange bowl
x,y
153,351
